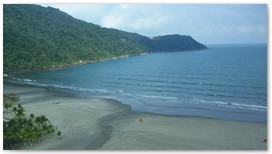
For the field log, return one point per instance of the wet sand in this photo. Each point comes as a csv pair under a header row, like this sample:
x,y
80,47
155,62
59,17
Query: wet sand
x,y
102,124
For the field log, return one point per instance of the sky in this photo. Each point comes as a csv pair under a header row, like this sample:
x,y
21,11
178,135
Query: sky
x,y
207,23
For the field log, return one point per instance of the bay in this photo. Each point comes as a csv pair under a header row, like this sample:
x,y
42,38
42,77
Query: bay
x,y
225,82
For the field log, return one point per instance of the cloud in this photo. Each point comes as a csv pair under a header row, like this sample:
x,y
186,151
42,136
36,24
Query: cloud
x,y
206,23
125,22
145,22
245,29
253,29
86,12
113,21
133,18
227,29
262,29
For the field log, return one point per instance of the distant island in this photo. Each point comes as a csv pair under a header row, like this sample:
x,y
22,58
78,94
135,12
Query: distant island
x,y
39,38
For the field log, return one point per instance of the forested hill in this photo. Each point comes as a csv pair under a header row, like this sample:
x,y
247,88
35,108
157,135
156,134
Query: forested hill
x,y
37,38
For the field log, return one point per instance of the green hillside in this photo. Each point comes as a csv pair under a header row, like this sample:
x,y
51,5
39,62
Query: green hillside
x,y
37,38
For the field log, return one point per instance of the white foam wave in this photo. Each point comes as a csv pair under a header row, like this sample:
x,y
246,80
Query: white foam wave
x,y
159,97
251,106
81,89
28,80
174,99
231,105
61,86
23,80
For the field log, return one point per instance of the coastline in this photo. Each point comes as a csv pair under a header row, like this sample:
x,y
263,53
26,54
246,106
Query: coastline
x,y
94,123
80,62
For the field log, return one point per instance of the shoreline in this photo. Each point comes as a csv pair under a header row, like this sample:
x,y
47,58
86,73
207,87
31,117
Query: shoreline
x,y
80,62
66,91
94,123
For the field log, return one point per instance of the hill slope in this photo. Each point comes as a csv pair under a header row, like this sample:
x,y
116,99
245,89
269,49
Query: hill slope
x,y
36,37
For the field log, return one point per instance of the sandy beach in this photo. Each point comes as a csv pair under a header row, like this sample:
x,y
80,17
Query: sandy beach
x,y
102,124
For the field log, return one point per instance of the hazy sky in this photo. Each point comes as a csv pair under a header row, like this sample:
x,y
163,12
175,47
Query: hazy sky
x,y
208,24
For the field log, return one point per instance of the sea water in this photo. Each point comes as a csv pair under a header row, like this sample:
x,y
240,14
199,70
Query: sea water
x,y
223,82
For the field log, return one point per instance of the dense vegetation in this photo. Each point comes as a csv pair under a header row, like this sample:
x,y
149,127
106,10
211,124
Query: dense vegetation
x,y
36,37
22,130
174,43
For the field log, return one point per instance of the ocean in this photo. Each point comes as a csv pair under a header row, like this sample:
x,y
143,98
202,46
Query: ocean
x,y
223,82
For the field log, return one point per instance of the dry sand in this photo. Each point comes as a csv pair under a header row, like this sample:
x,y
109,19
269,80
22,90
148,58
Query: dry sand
x,y
90,123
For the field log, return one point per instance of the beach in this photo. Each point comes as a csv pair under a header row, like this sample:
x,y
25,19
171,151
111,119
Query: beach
x,y
103,124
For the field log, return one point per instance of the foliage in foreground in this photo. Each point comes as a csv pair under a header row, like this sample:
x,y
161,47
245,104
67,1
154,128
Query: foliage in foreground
x,y
22,130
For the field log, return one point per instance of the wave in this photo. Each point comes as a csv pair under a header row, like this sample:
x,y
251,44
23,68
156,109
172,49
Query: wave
x,y
237,93
231,105
154,98
23,80
175,101
206,77
170,85
184,82
255,97
158,97
28,80
61,86
203,76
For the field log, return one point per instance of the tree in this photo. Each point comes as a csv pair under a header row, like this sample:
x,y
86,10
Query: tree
x,y
20,112
22,135
7,107
31,116
59,133
44,119
30,134
38,120
14,110
22,129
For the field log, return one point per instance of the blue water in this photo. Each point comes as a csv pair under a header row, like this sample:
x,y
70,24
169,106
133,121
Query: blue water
x,y
224,82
